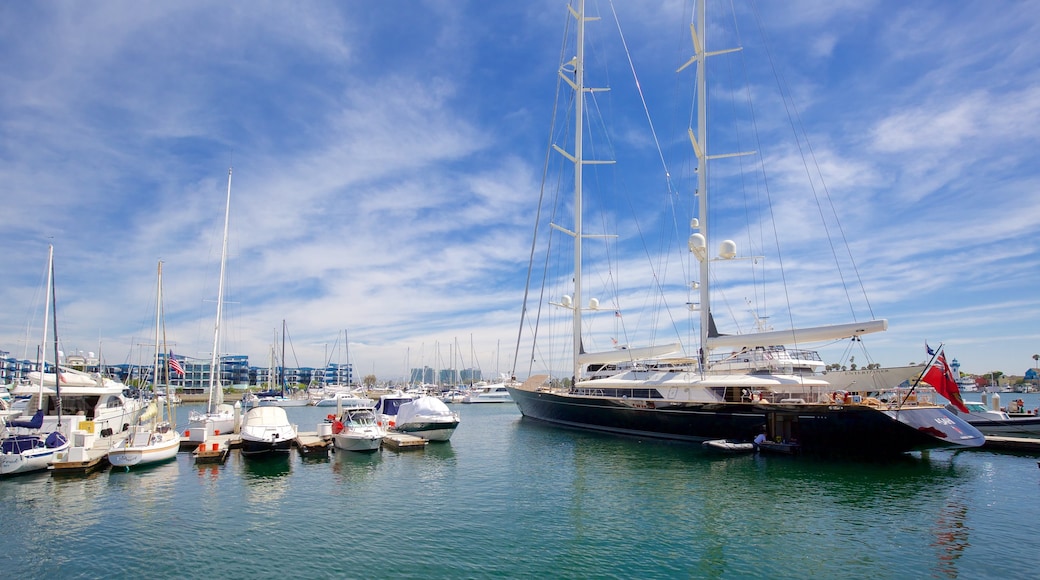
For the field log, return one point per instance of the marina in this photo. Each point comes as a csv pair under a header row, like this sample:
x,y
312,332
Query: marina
x,y
689,393
509,497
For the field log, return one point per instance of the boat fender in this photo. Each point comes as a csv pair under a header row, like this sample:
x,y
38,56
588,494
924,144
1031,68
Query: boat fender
x,y
337,427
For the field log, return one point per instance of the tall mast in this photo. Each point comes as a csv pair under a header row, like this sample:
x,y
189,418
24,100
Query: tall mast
x,y
54,321
701,147
281,368
158,316
42,352
579,118
216,391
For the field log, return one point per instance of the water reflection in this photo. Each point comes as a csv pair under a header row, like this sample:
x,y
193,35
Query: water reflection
x,y
260,469
352,467
951,537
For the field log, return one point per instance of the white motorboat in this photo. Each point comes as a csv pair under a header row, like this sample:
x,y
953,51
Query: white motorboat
x,y
266,430
995,421
729,446
387,407
357,430
485,393
427,417
344,398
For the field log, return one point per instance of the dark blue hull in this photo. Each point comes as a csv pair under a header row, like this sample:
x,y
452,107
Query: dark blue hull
x,y
260,448
815,428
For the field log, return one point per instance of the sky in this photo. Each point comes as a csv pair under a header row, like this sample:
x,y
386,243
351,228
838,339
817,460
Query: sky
x,y
388,159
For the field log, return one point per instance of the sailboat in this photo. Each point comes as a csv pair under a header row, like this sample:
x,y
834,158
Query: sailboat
x,y
25,445
658,392
279,397
155,438
219,417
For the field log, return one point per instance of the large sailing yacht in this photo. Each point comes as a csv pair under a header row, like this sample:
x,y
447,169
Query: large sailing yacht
x,y
664,392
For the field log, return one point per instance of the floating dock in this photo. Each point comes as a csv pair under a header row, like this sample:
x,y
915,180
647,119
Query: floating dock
x,y
404,442
211,452
310,445
996,442
86,454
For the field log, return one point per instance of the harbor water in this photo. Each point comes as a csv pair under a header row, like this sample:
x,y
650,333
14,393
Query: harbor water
x,y
510,498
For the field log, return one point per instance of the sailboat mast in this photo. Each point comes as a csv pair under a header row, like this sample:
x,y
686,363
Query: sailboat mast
x,y
216,392
158,316
54,321
579,118
702,175
42,351
281,368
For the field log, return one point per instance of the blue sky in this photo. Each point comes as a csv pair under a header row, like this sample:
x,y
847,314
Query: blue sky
x,y
388,158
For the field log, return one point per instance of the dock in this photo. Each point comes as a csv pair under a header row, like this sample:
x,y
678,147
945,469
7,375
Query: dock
x,y
212,452
404,442
1011,443
86,454
311,445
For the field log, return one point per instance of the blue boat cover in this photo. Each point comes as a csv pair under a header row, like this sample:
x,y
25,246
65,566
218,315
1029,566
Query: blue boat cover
x,y
35,423
19,443
55,439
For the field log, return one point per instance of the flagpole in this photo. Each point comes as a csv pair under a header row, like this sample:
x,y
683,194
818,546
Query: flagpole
x,y
917,381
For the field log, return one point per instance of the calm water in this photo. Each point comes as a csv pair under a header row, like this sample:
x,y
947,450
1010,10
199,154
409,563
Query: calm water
x,y
509,498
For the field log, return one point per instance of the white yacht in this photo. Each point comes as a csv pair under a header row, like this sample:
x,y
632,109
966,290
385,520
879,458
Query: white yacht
x,y
485,393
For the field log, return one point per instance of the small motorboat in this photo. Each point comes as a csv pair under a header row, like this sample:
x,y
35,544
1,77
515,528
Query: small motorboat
x,y
356,430
729,446
267,430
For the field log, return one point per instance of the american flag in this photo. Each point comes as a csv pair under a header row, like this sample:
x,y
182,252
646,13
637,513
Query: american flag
x,y
175,365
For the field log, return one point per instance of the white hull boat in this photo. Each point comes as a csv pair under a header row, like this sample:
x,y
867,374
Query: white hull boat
x,y
427,417
729,446
356,430
496,393
145,446
266,430
203,425
28,453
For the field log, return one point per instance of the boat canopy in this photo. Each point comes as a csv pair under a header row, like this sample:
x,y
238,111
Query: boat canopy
x,y
33,423
423,406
